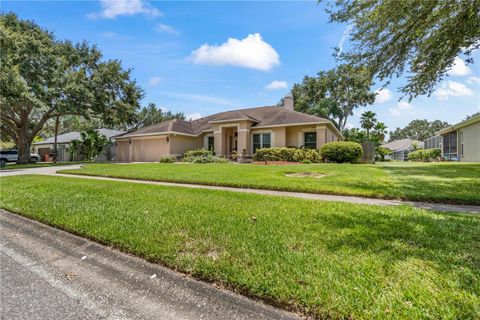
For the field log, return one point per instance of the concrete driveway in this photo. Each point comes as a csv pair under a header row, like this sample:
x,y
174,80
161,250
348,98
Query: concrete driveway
x,y
38,170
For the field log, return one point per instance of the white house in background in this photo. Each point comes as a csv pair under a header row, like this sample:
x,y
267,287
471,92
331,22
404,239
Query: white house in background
x,y
401,148
46,146
461,142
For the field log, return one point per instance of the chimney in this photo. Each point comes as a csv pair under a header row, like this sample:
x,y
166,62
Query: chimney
x,y
288,102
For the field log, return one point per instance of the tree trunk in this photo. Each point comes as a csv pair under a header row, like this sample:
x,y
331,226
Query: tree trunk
x,y
24,142
55,147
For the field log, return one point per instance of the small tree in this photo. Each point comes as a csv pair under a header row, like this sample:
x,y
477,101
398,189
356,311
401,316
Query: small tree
x,y
91,144
382,152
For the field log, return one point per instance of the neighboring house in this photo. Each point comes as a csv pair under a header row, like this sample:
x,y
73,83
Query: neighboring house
x,y
241,131
461,142
46,146
401,148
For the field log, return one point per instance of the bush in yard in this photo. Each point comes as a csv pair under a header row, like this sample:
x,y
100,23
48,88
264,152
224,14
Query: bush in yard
x,y
341,151
287,154
198,153
425,155
167,159
202,156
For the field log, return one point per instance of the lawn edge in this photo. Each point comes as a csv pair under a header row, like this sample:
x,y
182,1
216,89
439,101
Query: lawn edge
x,y
285,306
256,187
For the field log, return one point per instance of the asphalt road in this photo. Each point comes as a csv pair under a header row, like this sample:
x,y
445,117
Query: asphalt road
x,y
46,273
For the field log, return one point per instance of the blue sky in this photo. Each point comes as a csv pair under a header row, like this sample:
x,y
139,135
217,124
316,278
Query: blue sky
x,y
205,57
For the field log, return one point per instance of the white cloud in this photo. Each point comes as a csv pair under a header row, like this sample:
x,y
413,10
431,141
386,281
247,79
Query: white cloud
x,y
198,98
250,52
459,68
349,126
276,84
473,80
154,81
114,8
383,95
193,116
452,89
165,28
402,107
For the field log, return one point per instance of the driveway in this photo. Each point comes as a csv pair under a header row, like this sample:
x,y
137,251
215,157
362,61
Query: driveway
x,y
37,170
47,273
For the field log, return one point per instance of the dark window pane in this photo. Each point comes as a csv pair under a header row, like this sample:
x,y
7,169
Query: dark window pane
x,y
310,140
210,143
256,139
266,140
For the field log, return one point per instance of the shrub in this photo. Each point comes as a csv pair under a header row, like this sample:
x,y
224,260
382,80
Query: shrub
x,y
287,154
341,151
198,153
167,159
425,155
202,156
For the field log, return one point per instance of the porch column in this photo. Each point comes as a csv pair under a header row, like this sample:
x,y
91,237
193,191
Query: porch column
x,y
218,140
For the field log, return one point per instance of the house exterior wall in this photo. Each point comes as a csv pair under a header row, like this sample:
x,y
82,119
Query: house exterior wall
x,y
295,135
469,136
180,144
148,149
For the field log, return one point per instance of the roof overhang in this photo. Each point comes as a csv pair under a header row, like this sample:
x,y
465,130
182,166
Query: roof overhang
x,y
155,134
460,125
296,124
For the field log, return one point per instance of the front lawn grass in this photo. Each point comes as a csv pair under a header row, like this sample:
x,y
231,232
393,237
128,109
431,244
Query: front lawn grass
x,y
436,182
324,259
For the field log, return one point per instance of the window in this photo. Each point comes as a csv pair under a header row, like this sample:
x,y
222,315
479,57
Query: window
x,y
310,140
261,140
210,143
461,143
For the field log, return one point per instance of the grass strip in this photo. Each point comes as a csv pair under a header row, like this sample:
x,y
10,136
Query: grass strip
x,y
456,183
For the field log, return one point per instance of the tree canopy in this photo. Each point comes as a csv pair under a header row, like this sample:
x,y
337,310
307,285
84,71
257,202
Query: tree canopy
x,y
418,130
373,130
152,114
334,94
420,38
43,78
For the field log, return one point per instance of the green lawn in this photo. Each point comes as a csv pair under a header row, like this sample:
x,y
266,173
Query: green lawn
x,y
325,259
436,182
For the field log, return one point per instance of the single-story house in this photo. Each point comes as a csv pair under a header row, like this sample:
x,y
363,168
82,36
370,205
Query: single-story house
x,y
241,131
461,142
401,148
46,146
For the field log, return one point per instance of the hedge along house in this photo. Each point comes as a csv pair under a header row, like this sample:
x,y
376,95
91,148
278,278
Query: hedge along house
x,y
237,131
461,142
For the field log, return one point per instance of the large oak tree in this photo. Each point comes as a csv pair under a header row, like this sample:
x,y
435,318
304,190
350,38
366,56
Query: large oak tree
x,y
44,78
418,38
334,94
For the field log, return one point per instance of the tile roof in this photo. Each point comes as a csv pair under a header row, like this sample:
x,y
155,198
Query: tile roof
x,y
260,116
403,144
74,135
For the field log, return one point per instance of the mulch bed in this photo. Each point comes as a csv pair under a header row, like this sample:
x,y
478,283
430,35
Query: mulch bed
x,y
275,162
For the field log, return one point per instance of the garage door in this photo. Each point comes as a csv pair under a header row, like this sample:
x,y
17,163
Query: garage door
x,y
149,149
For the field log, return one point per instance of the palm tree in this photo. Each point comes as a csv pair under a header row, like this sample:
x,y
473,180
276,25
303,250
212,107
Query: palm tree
x,y
380,130
368,121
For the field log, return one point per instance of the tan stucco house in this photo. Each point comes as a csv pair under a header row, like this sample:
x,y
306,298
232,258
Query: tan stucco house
x,y
243,131
461,142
